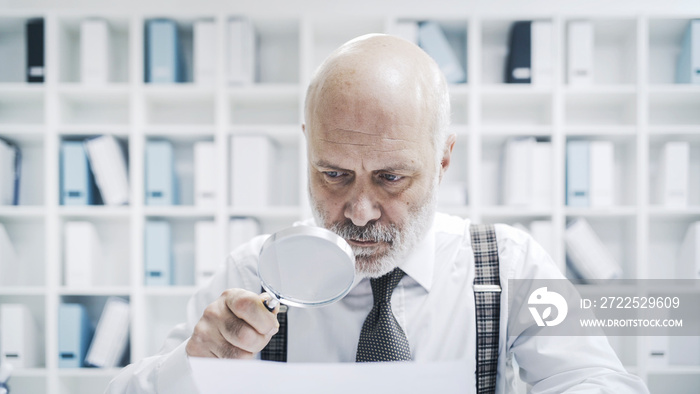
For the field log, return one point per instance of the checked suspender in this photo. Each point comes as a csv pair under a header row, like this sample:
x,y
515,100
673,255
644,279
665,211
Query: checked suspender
x,y
487,298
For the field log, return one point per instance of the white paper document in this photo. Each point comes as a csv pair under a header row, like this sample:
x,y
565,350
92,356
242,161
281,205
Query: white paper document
x,y
243,376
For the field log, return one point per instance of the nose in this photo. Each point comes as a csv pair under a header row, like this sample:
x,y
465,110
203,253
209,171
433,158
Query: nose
x,y
362,209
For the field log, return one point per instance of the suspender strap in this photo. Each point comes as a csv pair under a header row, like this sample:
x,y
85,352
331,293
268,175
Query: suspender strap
x,y
276,349
487,297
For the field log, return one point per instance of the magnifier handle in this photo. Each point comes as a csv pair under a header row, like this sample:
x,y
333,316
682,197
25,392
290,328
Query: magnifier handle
x,y
271,303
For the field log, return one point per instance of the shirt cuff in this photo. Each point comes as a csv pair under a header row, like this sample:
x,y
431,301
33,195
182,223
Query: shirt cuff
x,y
174,374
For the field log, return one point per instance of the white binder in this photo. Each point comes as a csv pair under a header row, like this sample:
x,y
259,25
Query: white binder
x,y
242,52
82,251
94,52
688,264
587,253
204,32
542,58
109,166
251,157
579,67
111,335
541,176
673,174
242,230
18,336
205,174
206,252
516,187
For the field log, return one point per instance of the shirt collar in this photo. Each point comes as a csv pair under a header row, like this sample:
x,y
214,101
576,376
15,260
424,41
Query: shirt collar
x,y
420,262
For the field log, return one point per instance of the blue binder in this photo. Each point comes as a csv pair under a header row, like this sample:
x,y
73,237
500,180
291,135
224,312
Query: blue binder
x,y
161,184
158,258
77,182
688,64
163,57
577,174
74,335
518,63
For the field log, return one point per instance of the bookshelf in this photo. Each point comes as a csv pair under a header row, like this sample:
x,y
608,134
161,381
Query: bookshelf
x,y
632,102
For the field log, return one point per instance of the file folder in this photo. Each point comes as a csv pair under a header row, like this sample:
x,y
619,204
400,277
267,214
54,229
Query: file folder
x,y
602,173
163,57
111,335
158,258
674,174
516,177
161,185
18,336
518,67
577,174
433,41
35,50
77,182
74,335
94,52
109,166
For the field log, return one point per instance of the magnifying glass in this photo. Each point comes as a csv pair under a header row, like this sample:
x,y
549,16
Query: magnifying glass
x,y
306,267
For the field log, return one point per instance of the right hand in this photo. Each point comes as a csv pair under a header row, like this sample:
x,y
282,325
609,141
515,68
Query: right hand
x,y
236,325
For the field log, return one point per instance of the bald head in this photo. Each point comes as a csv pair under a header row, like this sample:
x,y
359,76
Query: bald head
x,y
387,74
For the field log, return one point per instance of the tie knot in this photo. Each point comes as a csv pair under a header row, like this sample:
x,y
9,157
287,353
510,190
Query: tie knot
x,y
384,286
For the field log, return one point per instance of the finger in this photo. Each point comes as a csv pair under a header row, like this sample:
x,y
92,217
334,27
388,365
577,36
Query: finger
x,y
240,334
249,307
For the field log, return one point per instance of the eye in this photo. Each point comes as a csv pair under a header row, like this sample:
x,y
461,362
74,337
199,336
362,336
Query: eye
x,y
333,174
391,177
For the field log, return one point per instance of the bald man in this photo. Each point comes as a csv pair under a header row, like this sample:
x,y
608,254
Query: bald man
x,y
377,115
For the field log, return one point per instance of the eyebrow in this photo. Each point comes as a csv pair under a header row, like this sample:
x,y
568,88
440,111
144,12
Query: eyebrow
x,y
397,167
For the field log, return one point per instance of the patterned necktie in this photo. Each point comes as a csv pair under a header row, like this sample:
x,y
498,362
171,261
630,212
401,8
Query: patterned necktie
x,y
381,338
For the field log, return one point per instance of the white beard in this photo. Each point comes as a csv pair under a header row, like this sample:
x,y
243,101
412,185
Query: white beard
x,y
401,238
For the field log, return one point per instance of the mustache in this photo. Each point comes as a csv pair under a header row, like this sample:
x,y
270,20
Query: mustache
x,y
372,231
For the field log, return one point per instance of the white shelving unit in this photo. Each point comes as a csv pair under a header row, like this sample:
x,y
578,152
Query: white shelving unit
x,y
632,103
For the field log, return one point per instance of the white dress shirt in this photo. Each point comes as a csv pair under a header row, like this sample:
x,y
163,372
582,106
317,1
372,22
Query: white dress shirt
x,y
433,303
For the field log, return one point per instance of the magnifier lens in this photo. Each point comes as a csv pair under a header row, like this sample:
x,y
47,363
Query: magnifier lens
x,y
306,266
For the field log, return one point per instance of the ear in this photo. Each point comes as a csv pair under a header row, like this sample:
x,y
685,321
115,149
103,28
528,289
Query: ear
x,y
447,154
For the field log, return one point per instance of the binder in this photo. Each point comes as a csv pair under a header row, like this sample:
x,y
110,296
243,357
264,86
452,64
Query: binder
x,y
10,165
519,53
602,173
542,60
204,32
580,42
577,174
9,262
588,256
163,56
74,334
688,264
161,184
18,336
35,50
77,182
658,351
250,185
109,165
541,176
242,60
207,258
408,30
688,64
242,230
517,171
94,52
433,41
158,254
111,335
674,174
82,251
205,174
